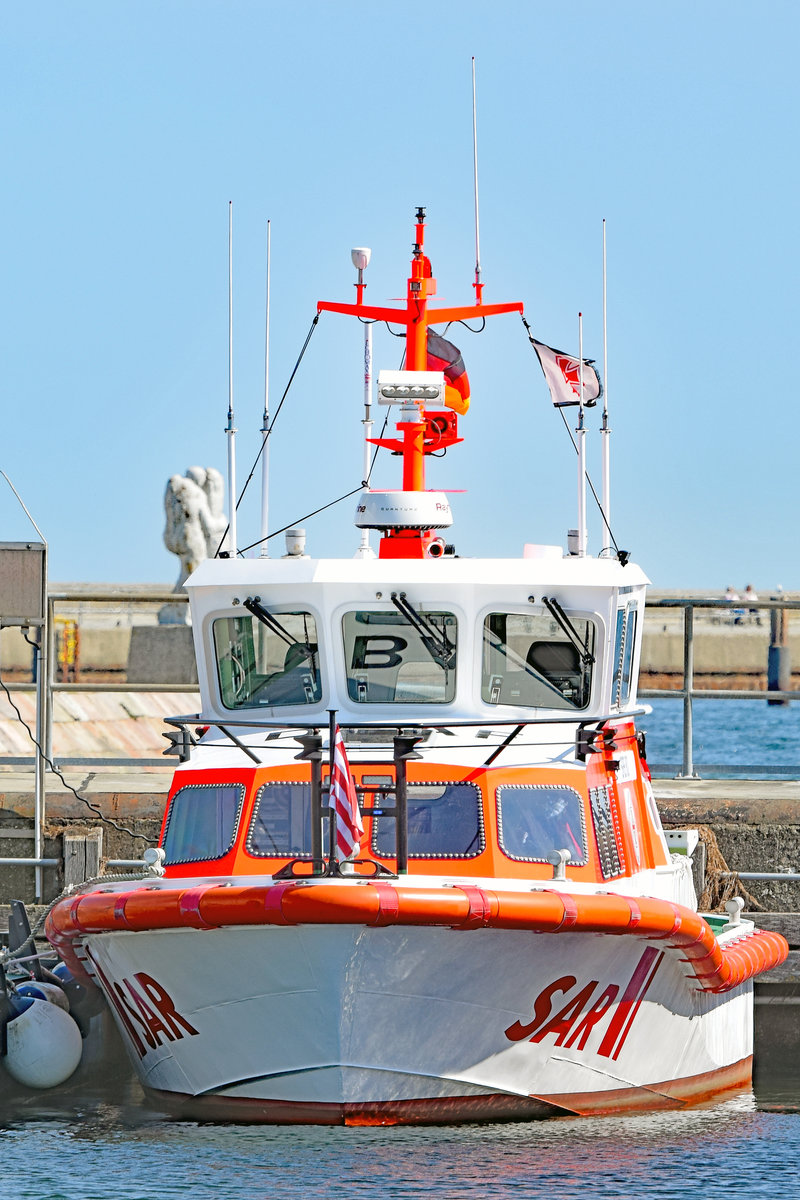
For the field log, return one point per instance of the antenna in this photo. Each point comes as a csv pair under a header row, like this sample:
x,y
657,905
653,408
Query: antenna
x,y
230,429
360,257
581,432
605,432
477,285
264,553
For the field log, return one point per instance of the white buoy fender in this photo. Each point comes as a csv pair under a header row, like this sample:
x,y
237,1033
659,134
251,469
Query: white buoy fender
x,y
44,1045
41,990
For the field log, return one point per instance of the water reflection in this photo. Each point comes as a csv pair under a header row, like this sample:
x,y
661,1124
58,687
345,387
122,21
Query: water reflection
x,y
100,1138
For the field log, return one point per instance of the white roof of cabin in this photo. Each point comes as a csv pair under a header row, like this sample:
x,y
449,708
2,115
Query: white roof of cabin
x,y
569,571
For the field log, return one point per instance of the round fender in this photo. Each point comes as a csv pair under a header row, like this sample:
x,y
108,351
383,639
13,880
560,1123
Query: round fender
x,y
44,1045
40,990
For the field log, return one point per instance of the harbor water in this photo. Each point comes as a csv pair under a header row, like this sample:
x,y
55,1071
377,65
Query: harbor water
x,y
118,1149
748,739
99,1139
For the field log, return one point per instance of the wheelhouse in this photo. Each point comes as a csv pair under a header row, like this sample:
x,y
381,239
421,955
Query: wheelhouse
x,y
521,641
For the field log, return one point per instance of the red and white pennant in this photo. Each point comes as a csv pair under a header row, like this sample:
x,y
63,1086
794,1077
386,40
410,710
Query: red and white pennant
x,y
344,802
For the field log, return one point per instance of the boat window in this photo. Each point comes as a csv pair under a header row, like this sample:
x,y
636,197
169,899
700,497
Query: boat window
x,y
281,823
391,661
202,821
624,644
528,661
259,667
445,820
535,820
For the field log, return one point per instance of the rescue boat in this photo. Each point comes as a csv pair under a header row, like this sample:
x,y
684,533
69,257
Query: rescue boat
x,y
411,868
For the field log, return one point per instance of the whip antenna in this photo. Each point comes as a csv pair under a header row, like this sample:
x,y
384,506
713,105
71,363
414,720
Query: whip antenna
x,y
265,422
581,432
605,432
477,285
230,429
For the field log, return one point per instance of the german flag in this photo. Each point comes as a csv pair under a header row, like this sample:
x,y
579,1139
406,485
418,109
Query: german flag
x,y
444,356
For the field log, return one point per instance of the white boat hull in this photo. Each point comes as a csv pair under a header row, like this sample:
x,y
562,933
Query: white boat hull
x,y
369,1025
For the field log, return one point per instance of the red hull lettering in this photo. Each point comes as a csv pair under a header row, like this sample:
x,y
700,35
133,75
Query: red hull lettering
x,y
574,1024
145,1009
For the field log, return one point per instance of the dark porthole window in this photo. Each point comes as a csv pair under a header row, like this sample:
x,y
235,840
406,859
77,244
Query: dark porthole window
x,y
202,822
536,820
444,821
281,822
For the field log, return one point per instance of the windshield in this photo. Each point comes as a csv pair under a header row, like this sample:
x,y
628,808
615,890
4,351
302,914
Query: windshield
x,y
390,660
529,661
259,666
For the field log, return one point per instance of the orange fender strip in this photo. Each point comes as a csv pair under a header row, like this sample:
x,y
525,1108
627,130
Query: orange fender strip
x,y
716,968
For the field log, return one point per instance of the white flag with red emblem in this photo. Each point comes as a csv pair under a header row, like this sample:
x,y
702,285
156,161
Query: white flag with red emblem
x,y
344,802
563,374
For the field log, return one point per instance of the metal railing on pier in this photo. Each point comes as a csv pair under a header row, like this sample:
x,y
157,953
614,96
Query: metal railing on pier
x,y
733,612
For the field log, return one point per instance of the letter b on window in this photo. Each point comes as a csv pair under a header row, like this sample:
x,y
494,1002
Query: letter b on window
x,y
377,652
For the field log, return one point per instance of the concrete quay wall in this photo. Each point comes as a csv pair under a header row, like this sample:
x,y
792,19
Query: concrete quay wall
x,y
134,801
125,639
717,651
162,654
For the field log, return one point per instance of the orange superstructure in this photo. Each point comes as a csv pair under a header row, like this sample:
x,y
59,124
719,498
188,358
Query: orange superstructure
x,y
633,818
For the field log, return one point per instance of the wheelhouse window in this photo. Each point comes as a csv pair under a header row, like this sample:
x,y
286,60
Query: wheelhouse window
x,y
202,822
624,644
394,658
444,821
281,823
535,820
529,661
267,666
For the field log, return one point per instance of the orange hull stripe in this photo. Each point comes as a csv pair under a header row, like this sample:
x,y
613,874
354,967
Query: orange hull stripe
x,y
696,1089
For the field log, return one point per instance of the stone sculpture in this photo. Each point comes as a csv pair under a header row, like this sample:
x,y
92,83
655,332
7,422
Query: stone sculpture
x,y
195,526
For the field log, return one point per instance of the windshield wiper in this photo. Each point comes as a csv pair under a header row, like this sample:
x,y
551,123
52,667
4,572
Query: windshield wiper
x,y
253,605
435,641
558,614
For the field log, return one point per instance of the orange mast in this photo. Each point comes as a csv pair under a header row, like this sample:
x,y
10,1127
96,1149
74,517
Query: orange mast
x,y
433,430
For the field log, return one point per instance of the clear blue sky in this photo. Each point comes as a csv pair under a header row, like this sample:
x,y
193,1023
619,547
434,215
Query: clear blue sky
x,y
128,126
